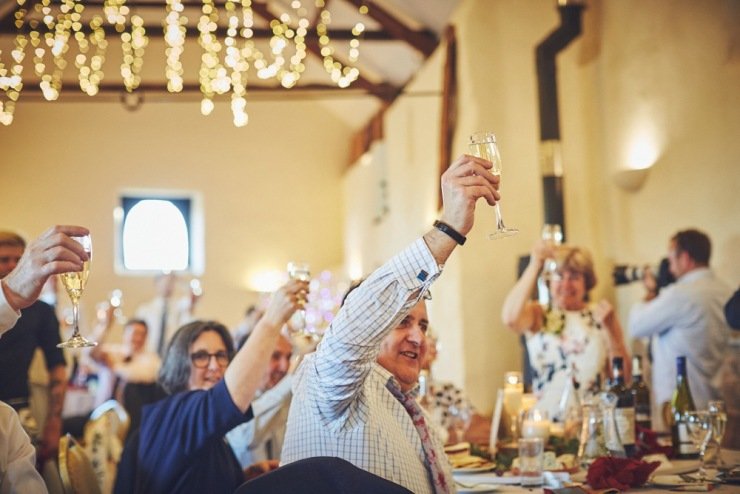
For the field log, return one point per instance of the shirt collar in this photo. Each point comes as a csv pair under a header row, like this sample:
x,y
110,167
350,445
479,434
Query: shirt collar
x,y
695,274
391,381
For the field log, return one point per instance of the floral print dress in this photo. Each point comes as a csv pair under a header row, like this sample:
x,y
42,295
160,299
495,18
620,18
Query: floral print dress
x,y
570,343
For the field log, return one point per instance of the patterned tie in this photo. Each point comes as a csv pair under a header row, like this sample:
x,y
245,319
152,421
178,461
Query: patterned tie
x,y
433,462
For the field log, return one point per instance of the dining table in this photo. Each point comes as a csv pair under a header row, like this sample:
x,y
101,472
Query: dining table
x,y
664,479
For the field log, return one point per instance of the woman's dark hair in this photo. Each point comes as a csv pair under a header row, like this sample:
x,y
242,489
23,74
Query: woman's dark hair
x,y
175,372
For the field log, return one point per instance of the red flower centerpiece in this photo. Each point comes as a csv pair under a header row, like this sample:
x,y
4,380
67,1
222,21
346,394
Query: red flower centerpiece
x,y
619,473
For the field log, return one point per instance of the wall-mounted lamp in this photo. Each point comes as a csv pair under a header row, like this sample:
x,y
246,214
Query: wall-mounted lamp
x,y
631,180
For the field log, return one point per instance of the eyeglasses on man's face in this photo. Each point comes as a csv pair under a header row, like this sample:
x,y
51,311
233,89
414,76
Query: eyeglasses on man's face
x,y
201,358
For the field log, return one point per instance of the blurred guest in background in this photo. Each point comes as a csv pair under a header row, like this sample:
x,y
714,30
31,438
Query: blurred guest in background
x,y
685,318
163,315
251,316
732,310
447,404
37,327
127,371
21,281
180,445
261,439
571,339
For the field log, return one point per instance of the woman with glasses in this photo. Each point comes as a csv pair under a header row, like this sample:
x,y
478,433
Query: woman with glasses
x,y
180,446
569,338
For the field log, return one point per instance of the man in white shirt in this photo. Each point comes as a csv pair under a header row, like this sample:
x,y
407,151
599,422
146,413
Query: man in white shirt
x,y
17,456
354,398
164,314
261,438
685,318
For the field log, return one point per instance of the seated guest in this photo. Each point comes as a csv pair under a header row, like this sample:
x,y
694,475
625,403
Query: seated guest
x,y
355,397
261,439
444,402
180,446
572,335
127,371
17,456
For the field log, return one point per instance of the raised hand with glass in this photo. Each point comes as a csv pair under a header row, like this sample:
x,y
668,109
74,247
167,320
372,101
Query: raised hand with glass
x,y
483,145
74,282
301,336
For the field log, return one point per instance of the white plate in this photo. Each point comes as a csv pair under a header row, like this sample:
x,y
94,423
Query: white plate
x,y
483,468
476,488
670,481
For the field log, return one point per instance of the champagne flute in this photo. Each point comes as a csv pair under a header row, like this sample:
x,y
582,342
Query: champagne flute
x,y
483,145
700,431
302,272
718,420
74,282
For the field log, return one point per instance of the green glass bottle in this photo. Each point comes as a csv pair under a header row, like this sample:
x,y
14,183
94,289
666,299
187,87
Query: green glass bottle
x,y
625,411
682,402
641,394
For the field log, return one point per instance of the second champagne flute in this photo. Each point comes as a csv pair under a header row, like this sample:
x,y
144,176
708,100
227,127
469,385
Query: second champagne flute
x,y
74,282
483,145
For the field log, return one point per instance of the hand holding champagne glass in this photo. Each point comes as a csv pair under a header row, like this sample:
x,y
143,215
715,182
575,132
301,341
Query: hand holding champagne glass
x,y
483,145
74,282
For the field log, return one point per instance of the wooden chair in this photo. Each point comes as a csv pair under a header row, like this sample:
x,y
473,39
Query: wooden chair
x,y
75,468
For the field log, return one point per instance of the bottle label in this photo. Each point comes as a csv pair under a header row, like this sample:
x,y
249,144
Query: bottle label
x,y
642,413
625,418
685,446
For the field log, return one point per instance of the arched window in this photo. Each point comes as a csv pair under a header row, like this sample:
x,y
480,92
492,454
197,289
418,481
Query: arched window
x,y
156,234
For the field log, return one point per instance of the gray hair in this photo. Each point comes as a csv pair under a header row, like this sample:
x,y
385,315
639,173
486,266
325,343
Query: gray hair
x,y
175,372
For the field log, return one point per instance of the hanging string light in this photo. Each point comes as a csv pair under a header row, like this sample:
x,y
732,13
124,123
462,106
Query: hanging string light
x,y
225,64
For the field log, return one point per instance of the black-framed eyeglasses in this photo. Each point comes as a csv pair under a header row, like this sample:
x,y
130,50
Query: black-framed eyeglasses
x,y
201,358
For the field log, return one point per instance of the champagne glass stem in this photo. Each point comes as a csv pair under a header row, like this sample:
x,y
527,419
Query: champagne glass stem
x,y
499,218
702,470
76,319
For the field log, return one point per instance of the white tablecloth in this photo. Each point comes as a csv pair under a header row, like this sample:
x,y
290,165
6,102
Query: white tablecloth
x,y
510,484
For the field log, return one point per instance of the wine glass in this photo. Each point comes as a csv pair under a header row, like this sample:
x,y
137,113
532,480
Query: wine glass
x,y
460,418
700,431
74,282
483,145
718,420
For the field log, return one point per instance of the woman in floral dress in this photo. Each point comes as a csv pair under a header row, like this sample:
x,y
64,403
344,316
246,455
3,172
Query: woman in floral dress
x,y
571,338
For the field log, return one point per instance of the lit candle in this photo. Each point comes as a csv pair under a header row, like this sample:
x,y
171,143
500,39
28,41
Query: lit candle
x,y
536,424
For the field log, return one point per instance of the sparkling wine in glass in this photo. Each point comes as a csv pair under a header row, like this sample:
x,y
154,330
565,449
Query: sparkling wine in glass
x,y
718,420
483,145
699,427
74,282
302,272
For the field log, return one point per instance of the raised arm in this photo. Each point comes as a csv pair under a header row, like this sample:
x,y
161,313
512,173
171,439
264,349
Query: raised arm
x,y
351,345
519,312
245,371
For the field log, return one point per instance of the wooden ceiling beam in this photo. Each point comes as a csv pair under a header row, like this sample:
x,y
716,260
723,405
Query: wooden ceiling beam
x,y
383,91
424,41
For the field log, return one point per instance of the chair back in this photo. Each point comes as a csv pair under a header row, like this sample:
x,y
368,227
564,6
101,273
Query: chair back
x,y
115,414
105,433
75,468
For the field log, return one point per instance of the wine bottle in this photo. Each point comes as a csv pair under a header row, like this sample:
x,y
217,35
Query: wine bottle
x,y
625,411
681,402
640,395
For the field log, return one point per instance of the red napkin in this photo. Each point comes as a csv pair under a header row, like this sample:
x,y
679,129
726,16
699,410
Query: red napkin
x,y
619,473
